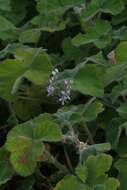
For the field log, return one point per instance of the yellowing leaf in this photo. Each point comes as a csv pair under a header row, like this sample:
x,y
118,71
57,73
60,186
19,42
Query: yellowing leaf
x,y
25,142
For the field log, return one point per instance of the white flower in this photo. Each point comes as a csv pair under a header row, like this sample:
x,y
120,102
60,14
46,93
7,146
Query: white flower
x,y
65,93
50,90
51,86
64,97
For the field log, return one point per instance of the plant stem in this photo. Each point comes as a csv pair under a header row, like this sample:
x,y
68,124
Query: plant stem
x,y
89,103
28,98
89,135
4,127
44,178
68,159
12,113
55,162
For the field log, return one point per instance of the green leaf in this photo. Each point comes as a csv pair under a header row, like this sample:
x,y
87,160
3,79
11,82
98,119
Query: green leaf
x,y
118,91
23,162
8,30
50,6
97,34
121,166
41,68
103,147
49,22
23,158
121,56
71,52
89,80
113,7
99,187
70,115
97,166
51,14
93,150
120,18
34,64
121,33
122,149
98,59
5,5
115,73
46,129
113,132
71,182
29,106
6,170
81,172
30,135
18,11
91,175
92,111
112,184
8,78
122,110
29,36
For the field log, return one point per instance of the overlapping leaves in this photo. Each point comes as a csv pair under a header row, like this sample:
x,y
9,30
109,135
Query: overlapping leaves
x,y
71,115
25,142
92,175
86,40
97,34
33,64
114,7
51,14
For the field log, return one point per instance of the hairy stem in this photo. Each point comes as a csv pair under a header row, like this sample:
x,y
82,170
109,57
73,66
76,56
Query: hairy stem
x,y
90,137
68,159
56,163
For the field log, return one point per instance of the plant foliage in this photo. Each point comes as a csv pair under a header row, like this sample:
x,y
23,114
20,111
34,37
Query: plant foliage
x,y
63,94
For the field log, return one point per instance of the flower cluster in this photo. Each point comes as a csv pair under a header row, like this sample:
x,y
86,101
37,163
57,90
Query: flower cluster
x,y
65,93
51,87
